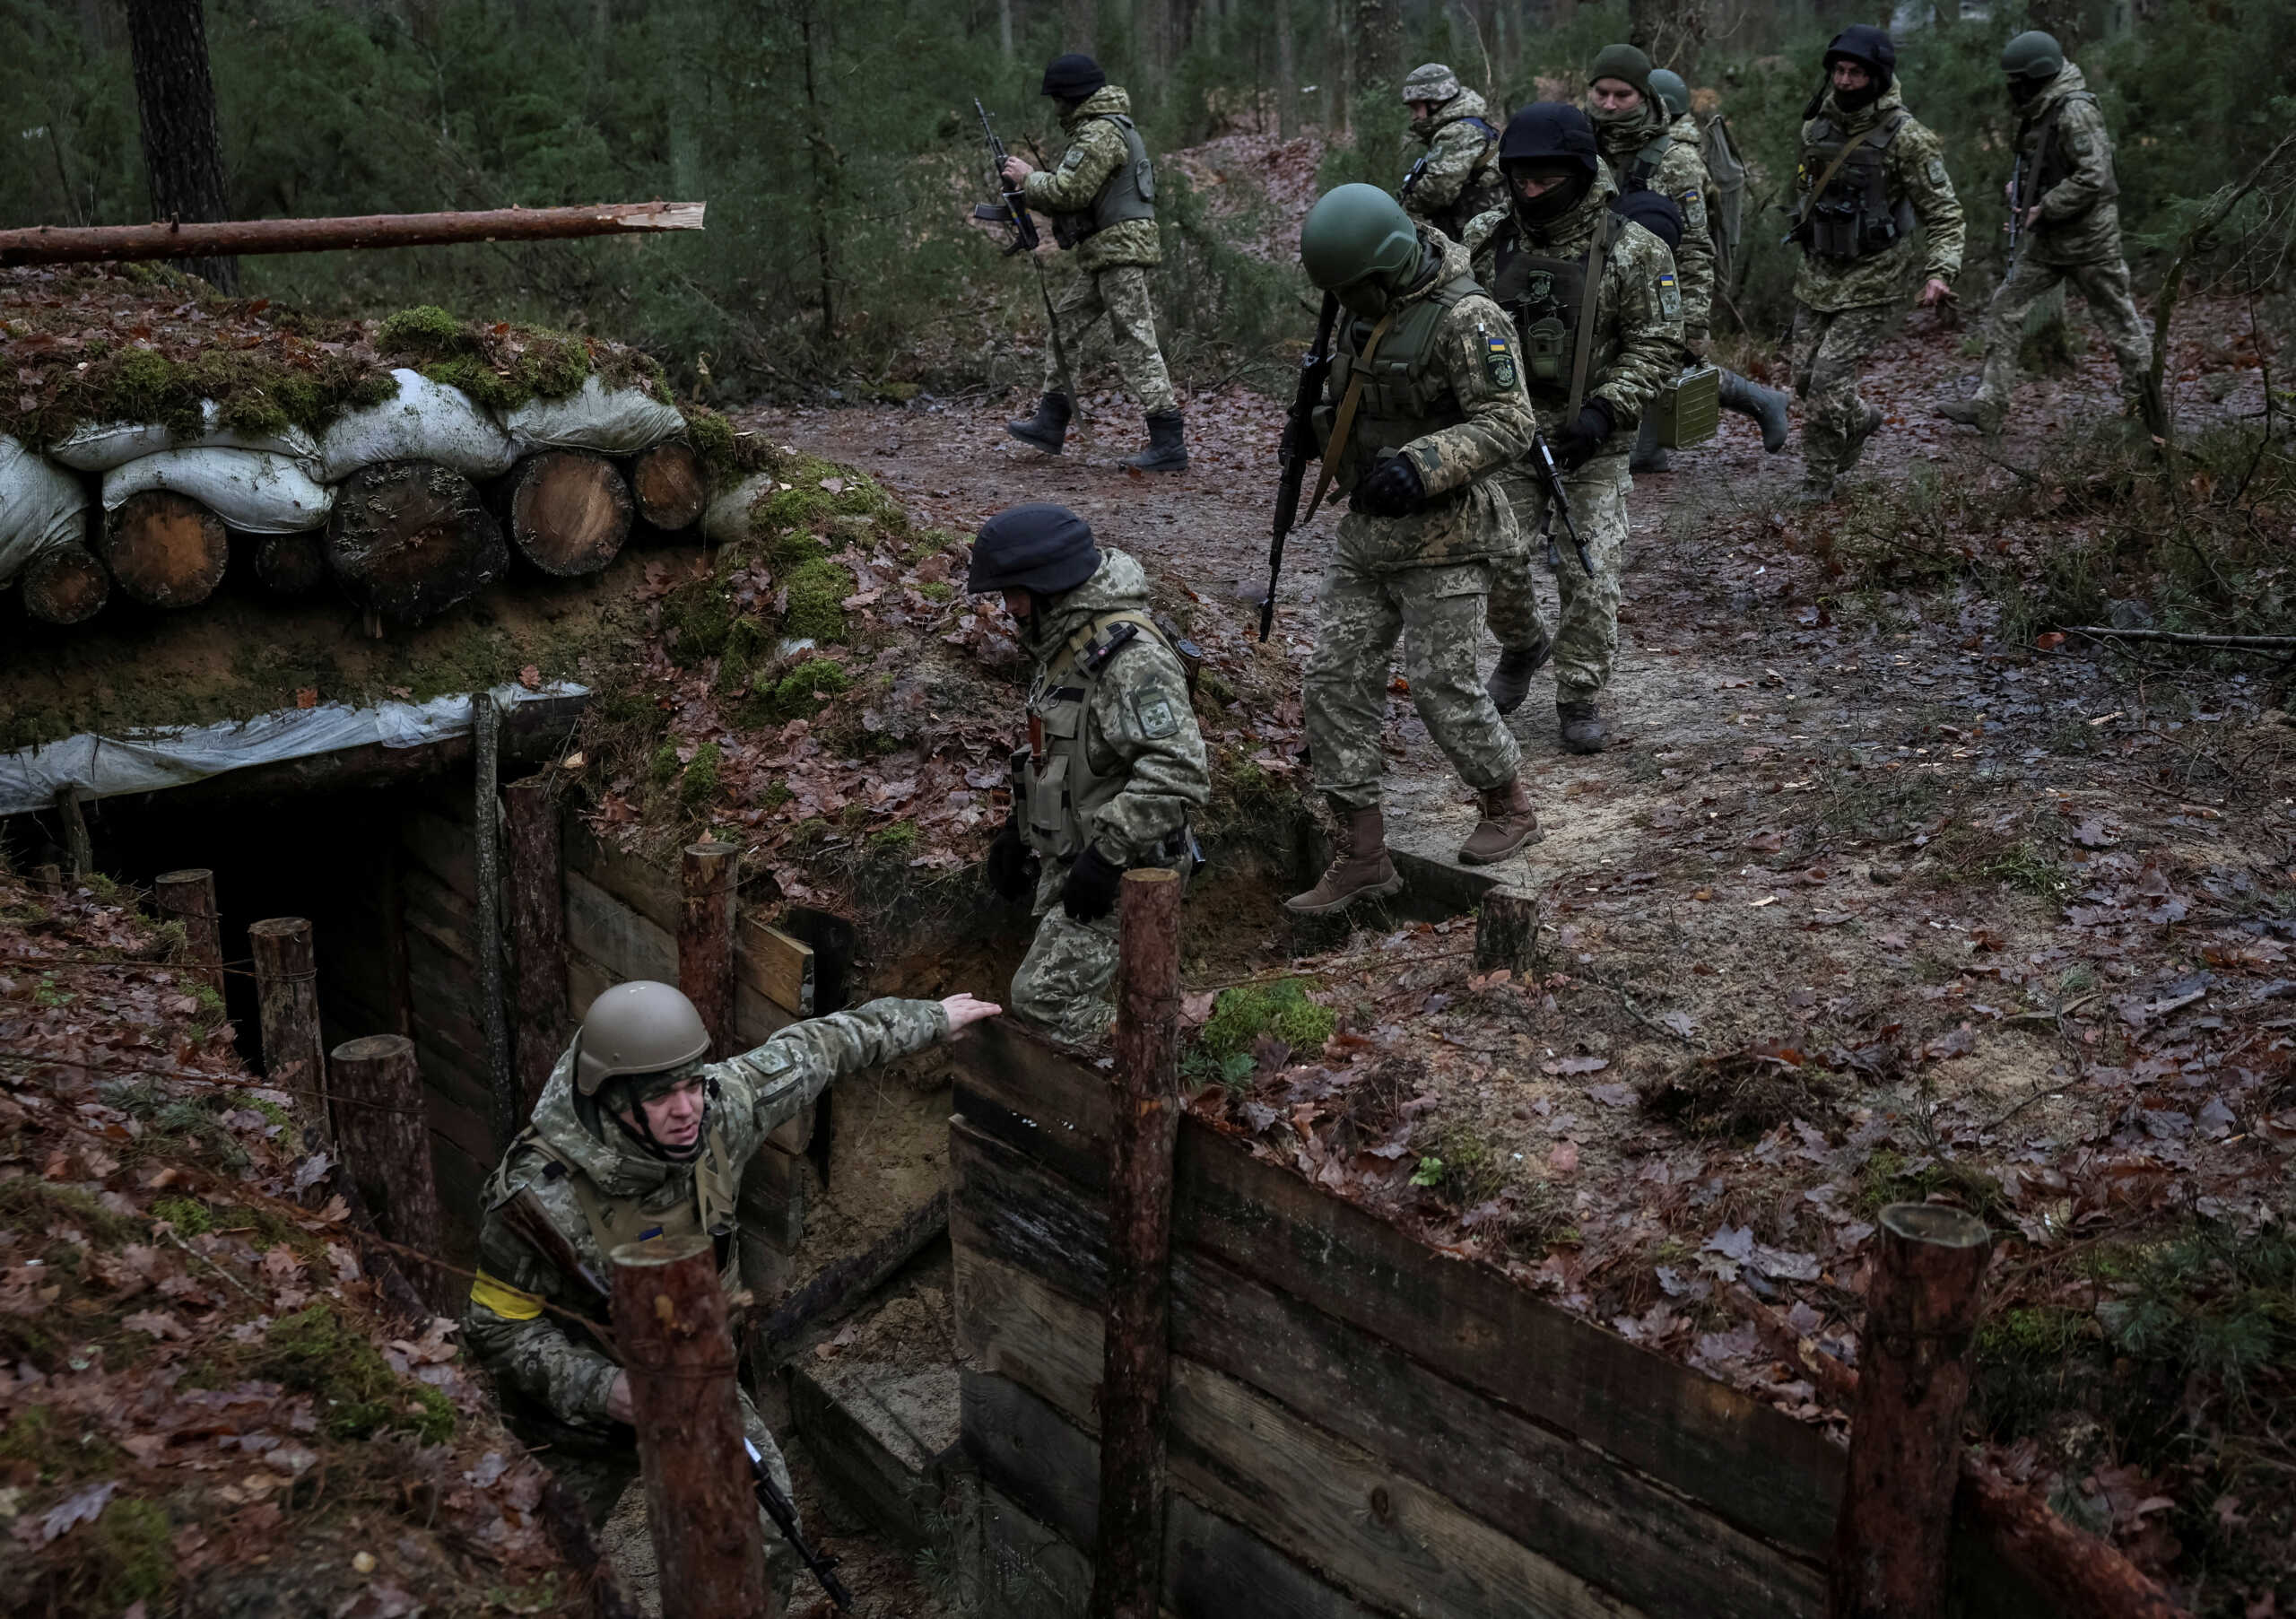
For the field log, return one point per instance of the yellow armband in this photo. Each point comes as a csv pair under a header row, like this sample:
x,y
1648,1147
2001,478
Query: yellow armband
x,y
504,1300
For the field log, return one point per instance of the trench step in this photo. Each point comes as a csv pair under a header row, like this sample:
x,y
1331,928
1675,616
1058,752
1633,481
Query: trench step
x,y
885,1438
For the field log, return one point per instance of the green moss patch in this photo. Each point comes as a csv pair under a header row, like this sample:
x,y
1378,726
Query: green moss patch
x,y
698,786
795,695
817,591
315,1351
1242,1014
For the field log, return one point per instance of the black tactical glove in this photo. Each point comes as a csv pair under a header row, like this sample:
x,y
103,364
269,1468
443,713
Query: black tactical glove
x,y
1090,893
1394,490
1012,863
1582,437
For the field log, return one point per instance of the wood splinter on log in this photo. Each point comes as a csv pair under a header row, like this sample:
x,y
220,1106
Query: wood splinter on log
x,y
66,586
165,549
186,238
409,539
290,564
667,483
569,511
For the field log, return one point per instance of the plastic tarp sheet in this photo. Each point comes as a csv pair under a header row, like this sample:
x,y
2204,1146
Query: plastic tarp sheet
x,y
42,507
151,761
251,491
620,422
428,422
100,446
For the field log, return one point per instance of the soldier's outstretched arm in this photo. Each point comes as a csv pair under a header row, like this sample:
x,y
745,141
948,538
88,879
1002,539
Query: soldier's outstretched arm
x,y
1479,355
2082,140
1069,186
1140,709
524,1345
1647,302
779,1079
1920,160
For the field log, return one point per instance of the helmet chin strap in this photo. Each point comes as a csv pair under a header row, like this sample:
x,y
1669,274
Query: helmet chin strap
x,y
642,1132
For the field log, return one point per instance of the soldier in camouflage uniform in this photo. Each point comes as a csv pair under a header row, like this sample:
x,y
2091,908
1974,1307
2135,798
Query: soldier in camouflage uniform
x,y
638,1137
2070,232
1115,765
1425,404
1537,258
1869,173
1101,196
1636,134
1458,176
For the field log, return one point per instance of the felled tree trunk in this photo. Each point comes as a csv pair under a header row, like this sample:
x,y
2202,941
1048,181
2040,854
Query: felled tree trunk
x,y
292,564
410,539
66,586
666,482
568,510
165,549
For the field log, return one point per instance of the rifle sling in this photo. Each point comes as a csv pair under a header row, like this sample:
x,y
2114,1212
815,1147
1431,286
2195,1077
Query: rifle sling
x,y
1343,424
1591,294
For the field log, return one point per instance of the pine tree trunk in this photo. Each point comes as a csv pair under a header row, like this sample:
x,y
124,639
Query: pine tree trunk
x,y
176,99
410,539
1287,73
1375,84
1079,18
165,549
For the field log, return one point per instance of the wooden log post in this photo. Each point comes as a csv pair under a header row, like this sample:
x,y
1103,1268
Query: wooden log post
x,y
188,897
383,1126
77,846
410,539
287,1000
165,549
669,1319
486,922
1128,1563
50,879
1916,1359
537,933
569,511
66,586
706,939
290,564
1506,932
666,483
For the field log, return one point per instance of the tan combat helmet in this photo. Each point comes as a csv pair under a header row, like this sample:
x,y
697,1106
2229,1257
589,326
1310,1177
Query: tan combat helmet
x,y
641,1027
1431,82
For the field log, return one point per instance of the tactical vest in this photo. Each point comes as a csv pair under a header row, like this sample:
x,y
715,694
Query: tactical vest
x,y
1854,217
1060,789
1484,191
1406,394
1639,173
2049,167
1130,192
1543,295
616,1221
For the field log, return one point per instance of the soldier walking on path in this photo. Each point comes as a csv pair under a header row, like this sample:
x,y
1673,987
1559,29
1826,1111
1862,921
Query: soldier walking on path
x,y
1457,175
1115,765
1101,197
1595,302
1869,174
639,1138
1424,406
2065,226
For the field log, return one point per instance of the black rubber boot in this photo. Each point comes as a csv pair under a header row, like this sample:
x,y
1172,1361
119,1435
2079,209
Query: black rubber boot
x,y
1510,679
1765,405
1048,429
1583,731
1648,455
1167,451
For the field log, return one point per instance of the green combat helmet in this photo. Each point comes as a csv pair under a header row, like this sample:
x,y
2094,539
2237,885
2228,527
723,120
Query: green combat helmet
x,y
1360,245
2033,56
1667,85
1431,82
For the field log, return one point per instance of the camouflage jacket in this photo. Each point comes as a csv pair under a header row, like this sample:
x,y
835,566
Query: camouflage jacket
x,y
1637,307
542,1364
1095,149
2080,221
1458,178
1916,172
1681,175
1146,754
1468,366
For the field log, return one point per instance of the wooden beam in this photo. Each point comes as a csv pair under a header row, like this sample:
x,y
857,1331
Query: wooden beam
x,y
88,244
778,967
188,897
706,938
840,1287
537,933
287,1001
486,926
383,1123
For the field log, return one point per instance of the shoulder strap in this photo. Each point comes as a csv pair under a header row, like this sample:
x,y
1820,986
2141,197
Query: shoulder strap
x,y
1647,160
1590,293
1880,136
1127,621
1343,424
586,1196
1825,179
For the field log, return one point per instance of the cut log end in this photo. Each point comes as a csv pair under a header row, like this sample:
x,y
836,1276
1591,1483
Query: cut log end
x,y
666,481
165,549
292,564
67,586
410,539
569,511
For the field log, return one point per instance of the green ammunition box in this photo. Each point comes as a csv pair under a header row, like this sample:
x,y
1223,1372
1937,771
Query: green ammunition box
x,y
1688,410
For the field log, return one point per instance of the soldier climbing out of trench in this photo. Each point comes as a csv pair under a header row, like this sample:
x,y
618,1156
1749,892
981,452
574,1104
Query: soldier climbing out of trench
x,y
640,1138
1115,766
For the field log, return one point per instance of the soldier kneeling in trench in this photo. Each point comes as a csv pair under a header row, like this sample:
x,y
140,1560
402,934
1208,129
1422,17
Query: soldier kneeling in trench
x,y
640,1137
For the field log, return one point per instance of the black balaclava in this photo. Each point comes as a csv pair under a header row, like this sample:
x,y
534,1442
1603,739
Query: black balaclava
x,y
1551,204
1870,49
1549,137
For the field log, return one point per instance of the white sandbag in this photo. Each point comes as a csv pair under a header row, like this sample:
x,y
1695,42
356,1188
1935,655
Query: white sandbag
x,y
428,422
617,423
42,507
251,491
100,446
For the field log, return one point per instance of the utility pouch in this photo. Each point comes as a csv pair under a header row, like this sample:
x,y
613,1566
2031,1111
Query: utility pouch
x,y
1688,410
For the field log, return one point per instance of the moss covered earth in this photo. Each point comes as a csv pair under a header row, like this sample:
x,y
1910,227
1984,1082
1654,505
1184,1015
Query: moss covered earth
x,y
1242,1015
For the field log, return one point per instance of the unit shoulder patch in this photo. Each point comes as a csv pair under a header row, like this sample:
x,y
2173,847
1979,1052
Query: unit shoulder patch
x,y
1937,170
1157,719
1498,362
1670,295
1072,157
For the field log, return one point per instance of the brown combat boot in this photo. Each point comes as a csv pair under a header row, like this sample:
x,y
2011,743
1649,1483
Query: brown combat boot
x,y
1507,825
1360,870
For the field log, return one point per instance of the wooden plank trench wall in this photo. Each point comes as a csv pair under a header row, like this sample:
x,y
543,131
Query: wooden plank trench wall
x,y
1357,1425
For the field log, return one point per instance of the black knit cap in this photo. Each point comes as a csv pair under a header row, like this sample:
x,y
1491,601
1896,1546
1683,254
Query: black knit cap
x,y
1074,76
1039,547
1655,213
1549,132
1870,48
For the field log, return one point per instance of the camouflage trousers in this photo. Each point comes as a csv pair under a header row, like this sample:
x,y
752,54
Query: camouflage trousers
x,y
1828,347
1109,311
1065,984
2104,287
1437,611
1586,629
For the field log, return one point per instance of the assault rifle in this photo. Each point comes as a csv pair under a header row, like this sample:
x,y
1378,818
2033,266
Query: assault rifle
x,y
1013,210
777,1508
1298,440
2016,204
1557,501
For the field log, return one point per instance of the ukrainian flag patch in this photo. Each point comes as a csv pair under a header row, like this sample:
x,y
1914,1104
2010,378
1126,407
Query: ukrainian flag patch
x,y
1670,295
1498,362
